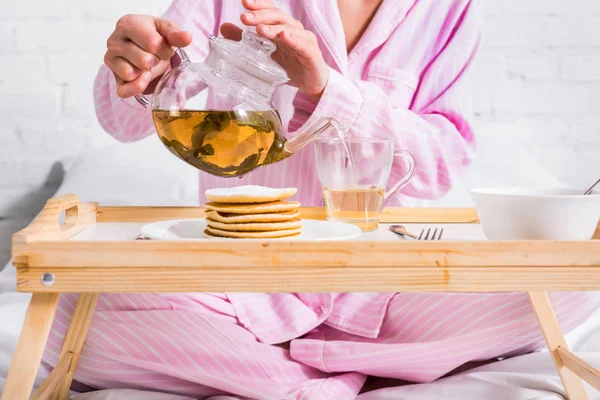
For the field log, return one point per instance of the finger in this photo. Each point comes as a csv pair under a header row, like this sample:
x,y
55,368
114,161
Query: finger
x,y
157,74
269,16
257,4
174,35
231,31
295,36
271,31
136,55
144,33
121,67
137,86
303,42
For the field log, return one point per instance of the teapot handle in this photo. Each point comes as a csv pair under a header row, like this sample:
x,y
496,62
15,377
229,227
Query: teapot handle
x,y
184,59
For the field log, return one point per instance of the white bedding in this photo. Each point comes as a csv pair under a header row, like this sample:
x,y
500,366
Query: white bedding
x,y
144,174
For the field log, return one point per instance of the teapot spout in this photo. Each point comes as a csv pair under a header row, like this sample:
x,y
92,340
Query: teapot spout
x,y
310,134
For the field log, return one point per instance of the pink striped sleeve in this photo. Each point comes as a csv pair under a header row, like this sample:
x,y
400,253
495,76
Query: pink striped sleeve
x,y
435,128
126,119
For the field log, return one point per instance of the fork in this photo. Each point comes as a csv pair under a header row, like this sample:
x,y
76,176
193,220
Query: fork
x,y
425,235
434,236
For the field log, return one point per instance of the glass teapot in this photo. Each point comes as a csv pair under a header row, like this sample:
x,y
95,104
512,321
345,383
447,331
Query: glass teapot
x,y
218,115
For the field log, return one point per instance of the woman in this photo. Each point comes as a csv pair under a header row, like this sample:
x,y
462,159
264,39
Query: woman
x,y
392,68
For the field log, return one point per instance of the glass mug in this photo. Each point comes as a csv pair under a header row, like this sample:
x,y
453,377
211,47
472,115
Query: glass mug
x,y
354,174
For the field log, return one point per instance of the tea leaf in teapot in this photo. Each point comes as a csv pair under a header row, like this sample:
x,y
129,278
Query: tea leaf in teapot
x,y
270,126
198,139
168,118
199,132
249,164
216,121
231,168
276,152
165,141
213,122
258,122
206,150
204,165
179,147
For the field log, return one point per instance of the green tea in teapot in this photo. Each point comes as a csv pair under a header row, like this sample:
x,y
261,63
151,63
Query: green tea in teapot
x,y
223,143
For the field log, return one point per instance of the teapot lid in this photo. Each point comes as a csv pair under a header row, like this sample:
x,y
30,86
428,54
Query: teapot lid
x,y
253,55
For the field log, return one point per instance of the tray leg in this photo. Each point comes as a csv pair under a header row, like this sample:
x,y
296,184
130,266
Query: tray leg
x,y
54,379
554,340
27,357
583,370
74,340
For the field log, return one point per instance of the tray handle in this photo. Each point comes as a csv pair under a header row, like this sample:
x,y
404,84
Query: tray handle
x,y
47,225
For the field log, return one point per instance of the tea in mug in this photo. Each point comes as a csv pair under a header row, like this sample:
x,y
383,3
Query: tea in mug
x,y
360,206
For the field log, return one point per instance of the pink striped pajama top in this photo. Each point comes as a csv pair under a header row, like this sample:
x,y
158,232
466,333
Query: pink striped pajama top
x,y
406,79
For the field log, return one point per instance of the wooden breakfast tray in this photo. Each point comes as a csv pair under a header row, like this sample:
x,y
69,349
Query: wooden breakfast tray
x,y
49,263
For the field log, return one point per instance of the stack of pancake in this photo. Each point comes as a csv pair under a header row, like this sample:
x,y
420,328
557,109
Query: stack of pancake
x,y
252,212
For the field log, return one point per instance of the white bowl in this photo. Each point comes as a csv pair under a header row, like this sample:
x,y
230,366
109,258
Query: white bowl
x,y
537,213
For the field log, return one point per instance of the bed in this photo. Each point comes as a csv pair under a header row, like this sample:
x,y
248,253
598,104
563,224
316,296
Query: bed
x,y
144,174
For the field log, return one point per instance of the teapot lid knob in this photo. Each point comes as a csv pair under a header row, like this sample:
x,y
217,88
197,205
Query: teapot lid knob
x,y
253,53
260,43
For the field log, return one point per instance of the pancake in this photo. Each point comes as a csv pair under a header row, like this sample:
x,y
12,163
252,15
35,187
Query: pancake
x,y
258,208
248,194
212,232
228,218
255,227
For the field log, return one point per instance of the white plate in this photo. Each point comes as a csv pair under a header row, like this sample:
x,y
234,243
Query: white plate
x,y
193,229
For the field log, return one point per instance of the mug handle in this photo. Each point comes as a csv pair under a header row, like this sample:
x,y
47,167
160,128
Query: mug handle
x,y
412,163
184,59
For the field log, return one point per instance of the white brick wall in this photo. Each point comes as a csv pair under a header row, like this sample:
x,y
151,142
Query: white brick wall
x,y
537,83
50,52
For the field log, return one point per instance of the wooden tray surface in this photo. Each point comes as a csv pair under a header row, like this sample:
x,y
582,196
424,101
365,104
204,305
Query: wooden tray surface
x,y
286,266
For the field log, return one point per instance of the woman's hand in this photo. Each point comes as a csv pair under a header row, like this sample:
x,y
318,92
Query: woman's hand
x,y
139,51
297,49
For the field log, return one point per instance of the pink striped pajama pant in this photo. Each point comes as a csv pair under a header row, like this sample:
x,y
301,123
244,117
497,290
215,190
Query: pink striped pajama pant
x,y
193,344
